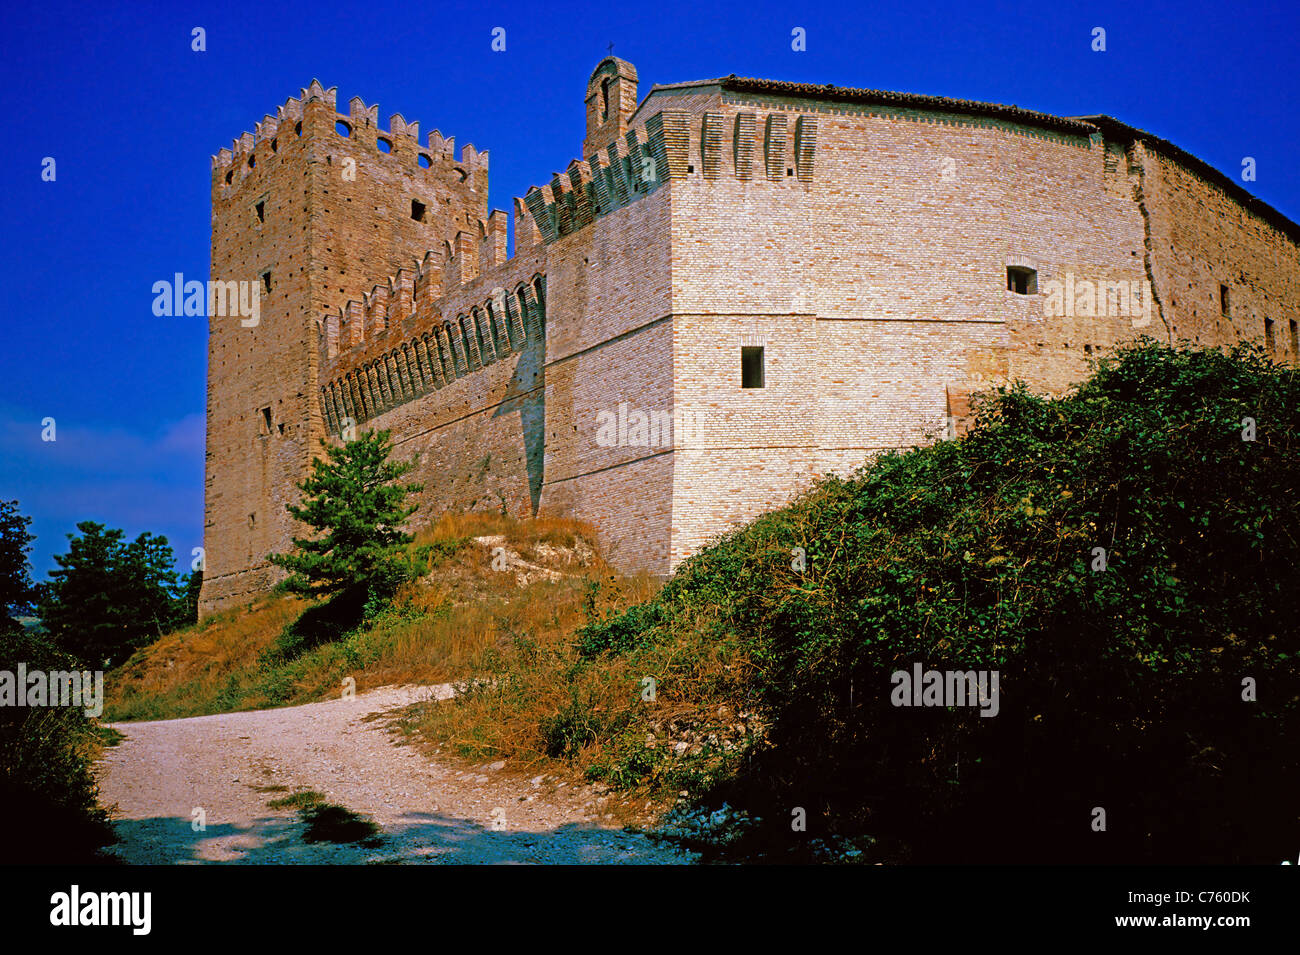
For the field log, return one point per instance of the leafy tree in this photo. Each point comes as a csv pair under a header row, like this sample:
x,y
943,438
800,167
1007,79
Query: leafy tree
x,y
187,600
352,500
16,591
109,597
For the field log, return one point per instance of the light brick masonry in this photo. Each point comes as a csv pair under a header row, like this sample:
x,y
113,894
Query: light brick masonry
x,y
889,253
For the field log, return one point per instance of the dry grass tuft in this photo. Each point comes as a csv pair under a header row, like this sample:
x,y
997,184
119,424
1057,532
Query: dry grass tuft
x,y
184,671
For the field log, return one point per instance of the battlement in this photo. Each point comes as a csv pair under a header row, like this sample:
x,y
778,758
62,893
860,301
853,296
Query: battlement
x,y
414,294
398,333
363,119
674,145
268,126
397,346
609,179
400,141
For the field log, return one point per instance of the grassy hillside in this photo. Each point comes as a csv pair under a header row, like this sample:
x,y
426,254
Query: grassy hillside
x,y
1121,689
283,650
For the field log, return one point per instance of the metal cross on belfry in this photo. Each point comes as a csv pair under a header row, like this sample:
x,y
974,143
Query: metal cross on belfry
x,y
611,49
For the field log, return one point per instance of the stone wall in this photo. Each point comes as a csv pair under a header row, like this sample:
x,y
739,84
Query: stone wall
x,y
864,240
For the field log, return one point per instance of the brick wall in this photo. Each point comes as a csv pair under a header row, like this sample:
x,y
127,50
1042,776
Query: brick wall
x,y
330,229
863,241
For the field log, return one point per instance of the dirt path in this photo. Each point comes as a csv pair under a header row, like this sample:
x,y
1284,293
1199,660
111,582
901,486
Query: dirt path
x,y
232,765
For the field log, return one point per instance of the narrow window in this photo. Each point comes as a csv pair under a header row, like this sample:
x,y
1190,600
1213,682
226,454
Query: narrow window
x,y
1223,300
261,211
1021,280
275,145
252,161
266,282
417,210
266,420
604,99
297,129
229,176
1269,341
1295,340
751,366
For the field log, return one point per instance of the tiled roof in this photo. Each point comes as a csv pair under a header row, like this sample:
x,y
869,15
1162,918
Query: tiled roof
x,y
1119,131
745,84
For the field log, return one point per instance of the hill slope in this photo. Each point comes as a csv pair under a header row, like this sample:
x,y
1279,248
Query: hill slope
x,y
1125,557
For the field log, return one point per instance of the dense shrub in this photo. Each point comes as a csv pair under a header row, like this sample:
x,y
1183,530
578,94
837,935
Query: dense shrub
x,y
1120,688
47,791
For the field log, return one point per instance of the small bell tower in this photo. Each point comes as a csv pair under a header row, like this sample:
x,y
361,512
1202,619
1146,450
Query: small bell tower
x,y
611,101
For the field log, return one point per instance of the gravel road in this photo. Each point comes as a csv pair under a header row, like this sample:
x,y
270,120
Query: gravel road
x,y
231,766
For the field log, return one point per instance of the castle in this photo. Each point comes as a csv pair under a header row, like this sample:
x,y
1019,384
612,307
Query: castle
x,y
745,284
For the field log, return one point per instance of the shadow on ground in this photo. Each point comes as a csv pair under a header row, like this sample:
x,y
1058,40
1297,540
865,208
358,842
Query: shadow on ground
x,y
416,838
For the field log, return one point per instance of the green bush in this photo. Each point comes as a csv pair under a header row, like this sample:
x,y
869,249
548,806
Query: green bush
x,y
621,632
47,791
1120,688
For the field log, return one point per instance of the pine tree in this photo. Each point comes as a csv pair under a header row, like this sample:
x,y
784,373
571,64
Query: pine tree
x,y
16,591
352,501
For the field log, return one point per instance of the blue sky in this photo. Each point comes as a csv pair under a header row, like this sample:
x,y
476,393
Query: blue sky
x,y
131,115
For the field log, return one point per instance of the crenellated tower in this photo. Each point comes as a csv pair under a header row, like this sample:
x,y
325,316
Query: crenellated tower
x,y
313,208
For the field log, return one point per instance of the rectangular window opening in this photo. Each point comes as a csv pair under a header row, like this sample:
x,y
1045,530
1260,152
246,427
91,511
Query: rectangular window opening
x,y
266,420
1295,339
1021,280
1269,341
417,210
751,366
1224,303
266,282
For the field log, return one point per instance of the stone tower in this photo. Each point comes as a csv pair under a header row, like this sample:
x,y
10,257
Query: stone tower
x,y
315,208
